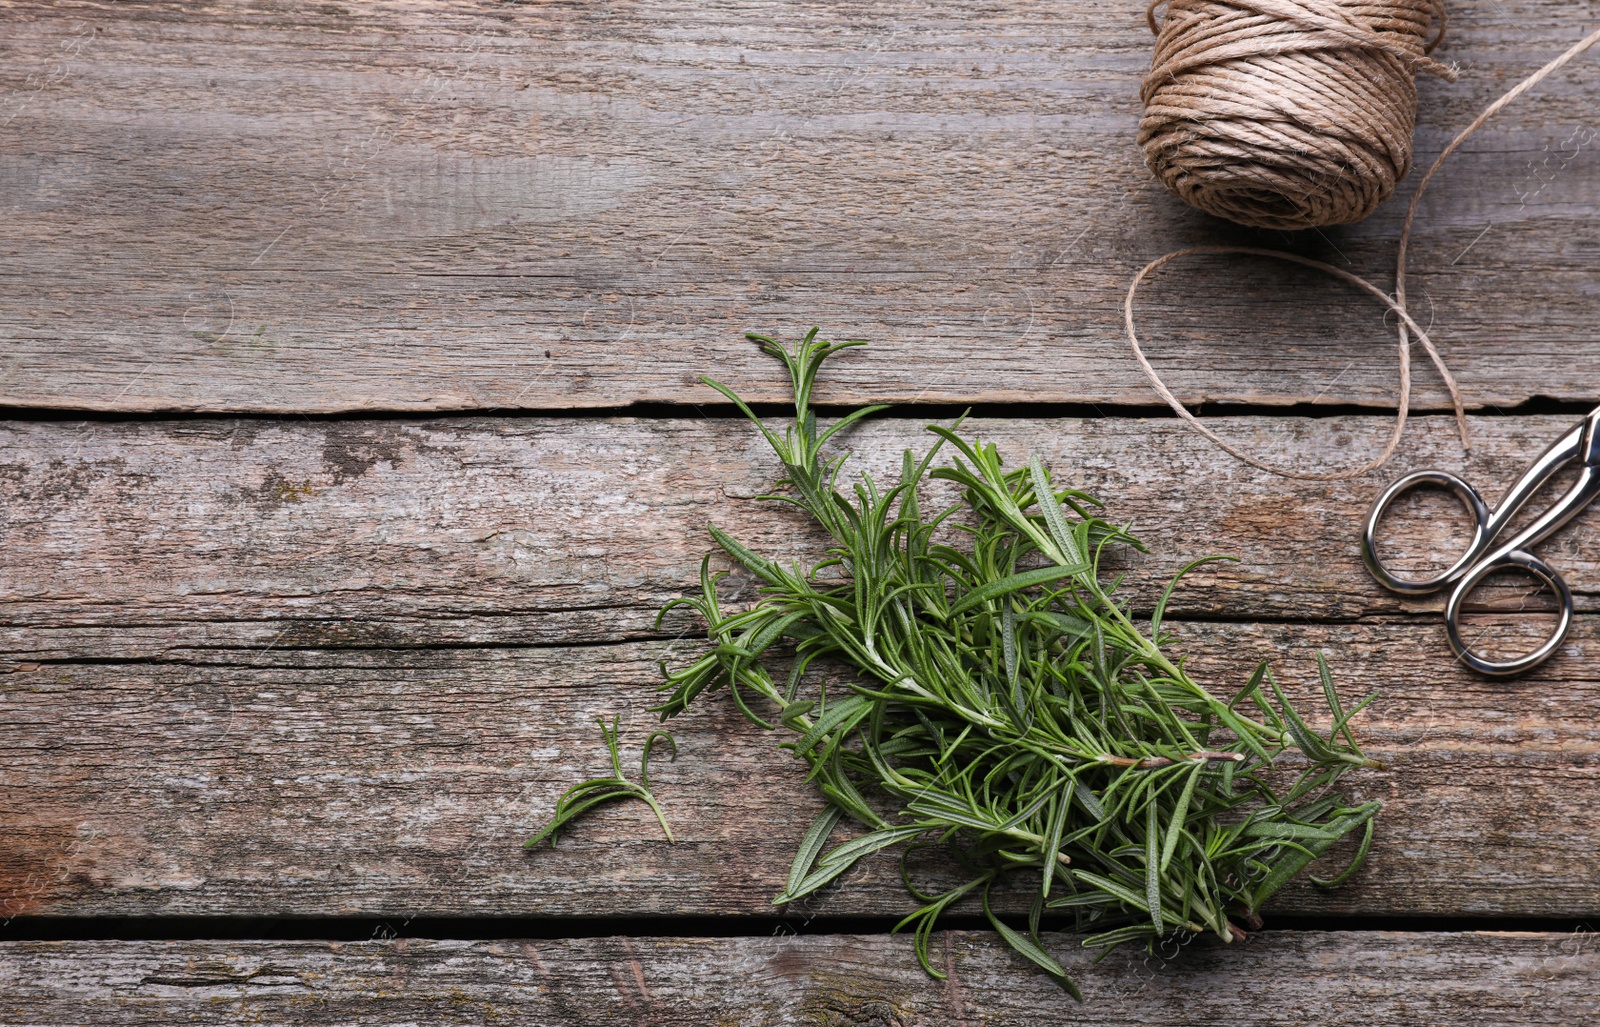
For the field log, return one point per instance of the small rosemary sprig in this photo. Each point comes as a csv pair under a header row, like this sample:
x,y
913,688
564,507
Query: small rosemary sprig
x,y
1008,707
586,795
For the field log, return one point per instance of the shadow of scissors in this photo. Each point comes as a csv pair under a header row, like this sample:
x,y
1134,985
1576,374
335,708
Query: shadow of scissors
x,y
1487,554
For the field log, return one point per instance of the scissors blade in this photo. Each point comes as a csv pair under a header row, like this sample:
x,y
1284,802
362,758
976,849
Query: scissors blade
x,y
1582,444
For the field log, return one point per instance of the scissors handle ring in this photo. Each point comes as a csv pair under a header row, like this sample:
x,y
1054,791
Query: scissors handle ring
x,y
1507,668
1475,506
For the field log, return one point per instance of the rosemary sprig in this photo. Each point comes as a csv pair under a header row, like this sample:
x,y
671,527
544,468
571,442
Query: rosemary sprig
x,y
1006,706
582,797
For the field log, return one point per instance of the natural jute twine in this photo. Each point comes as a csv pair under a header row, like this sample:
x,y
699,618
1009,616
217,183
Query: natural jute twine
x,y
1396,303
1286,114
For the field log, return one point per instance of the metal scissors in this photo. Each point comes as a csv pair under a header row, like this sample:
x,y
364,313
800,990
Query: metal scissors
x,y
1487,553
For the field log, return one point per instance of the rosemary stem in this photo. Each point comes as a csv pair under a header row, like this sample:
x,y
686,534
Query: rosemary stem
x,y
1152,762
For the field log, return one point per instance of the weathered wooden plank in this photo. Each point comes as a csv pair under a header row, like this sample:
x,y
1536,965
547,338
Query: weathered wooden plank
x,y
141,539
430,206
401,783
1278,979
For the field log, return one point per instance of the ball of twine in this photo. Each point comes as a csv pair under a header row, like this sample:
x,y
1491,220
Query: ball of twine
x,y
1286,114
1396,303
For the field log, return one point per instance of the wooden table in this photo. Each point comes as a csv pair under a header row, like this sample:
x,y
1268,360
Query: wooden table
x,y
354,435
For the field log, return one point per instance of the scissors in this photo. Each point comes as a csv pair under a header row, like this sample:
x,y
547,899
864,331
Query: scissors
x,y
1487,553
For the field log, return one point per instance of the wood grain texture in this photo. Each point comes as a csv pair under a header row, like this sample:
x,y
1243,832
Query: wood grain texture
x,y
335,669
345,667
128,540
401,783
1276,980
443,206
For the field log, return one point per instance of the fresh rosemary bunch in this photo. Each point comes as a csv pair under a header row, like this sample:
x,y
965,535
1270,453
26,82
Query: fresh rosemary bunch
x,y
1006,706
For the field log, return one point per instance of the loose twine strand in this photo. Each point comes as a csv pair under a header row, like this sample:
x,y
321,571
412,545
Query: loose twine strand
x,y
1396,303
